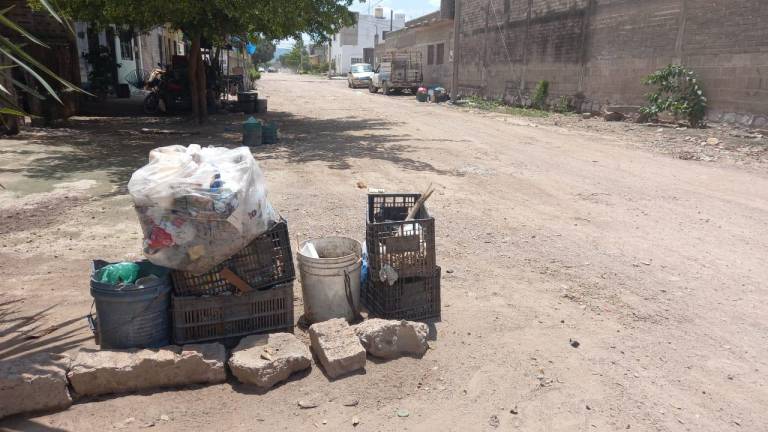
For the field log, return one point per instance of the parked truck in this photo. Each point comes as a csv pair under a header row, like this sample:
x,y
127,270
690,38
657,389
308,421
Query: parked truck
x,y
397,71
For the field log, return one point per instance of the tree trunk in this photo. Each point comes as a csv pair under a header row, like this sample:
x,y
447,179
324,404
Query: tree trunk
x,y
197,81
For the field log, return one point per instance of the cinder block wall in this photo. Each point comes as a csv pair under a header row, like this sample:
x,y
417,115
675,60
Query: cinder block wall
x,y
603,48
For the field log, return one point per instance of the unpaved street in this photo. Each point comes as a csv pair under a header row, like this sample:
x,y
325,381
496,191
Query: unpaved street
x,y
545,234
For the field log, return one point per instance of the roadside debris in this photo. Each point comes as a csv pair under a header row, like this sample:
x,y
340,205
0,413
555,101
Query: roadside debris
x,y
95,372
614,116
574,343
493,421
403,413
392,339
337,347
35,383
265,360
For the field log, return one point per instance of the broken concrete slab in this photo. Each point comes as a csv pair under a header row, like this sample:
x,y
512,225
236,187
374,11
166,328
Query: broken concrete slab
x,y
265,360
95,372
33,383
337,347
391,338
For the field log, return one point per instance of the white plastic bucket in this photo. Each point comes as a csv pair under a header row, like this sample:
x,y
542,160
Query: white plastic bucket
x,y
330,283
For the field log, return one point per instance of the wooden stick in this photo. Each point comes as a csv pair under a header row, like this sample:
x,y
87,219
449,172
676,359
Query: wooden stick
x,y
420,202
241,285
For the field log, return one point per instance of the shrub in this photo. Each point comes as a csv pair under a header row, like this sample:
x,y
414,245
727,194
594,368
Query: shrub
x,y
540,94
679,92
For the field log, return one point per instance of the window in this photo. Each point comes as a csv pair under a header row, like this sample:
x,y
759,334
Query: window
x,y
430,54
361,68
126,45
506,6
356,60
440,53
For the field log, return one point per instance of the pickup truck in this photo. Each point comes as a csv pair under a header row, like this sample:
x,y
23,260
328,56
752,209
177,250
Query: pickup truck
x,y
396,72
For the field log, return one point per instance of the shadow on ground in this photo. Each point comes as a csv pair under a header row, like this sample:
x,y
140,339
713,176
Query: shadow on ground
x,y
338,141
118,146
25,334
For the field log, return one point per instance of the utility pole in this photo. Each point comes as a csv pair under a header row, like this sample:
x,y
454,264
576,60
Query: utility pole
x,y
456,49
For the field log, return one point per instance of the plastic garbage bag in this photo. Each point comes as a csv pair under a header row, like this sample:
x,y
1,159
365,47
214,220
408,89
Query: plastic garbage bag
x,y
119,273
199,206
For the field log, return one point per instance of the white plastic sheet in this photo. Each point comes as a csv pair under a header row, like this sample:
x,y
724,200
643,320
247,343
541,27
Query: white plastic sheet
x,y
199,206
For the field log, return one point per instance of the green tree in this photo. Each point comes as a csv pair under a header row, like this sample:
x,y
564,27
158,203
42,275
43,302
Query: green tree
x,y
297,58
265,50
214,20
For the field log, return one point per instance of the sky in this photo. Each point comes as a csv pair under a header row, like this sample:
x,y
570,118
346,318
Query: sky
x,y
411,8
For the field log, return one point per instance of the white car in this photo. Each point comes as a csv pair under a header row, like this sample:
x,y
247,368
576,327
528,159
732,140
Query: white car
x,y
359,75
261,69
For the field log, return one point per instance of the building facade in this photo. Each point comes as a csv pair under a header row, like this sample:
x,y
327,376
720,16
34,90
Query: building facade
x,y
432,37
356,44
601,49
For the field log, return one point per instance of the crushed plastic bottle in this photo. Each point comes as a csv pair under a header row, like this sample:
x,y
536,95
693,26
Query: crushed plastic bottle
x,y
119,273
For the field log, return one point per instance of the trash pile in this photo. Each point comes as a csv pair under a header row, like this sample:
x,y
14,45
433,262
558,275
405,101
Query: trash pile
x,y
220,268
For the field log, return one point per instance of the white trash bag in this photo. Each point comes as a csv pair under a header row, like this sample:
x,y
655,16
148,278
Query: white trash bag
x,y
199,206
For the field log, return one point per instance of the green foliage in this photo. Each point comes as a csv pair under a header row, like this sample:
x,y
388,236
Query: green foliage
x,y
265,50
254,73
16,56
297,58
499,106
679,92
216,19
540,94
100,75
563,105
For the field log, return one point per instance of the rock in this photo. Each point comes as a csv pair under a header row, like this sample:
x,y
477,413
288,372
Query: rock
x,y
713,141
391,338
355,421
403,413
493,421
614,116
34,383
265,360
350,402
338,348
307,403
586,115
574,343
96,372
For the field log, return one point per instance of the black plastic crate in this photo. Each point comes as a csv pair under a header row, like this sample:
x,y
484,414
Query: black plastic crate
x,y
198,319
266,261
415,298
406,246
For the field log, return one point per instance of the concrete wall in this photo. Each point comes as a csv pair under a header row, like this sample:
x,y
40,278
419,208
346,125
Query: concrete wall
x,y
419,38
604,47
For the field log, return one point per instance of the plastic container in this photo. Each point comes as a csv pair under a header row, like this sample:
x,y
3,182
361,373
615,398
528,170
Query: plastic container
x,y
198,319
415,298
330,283
252,132
265,261
269,133
261,106
407,247
132,315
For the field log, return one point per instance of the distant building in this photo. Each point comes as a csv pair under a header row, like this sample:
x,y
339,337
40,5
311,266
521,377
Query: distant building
x,y
355,44
430,35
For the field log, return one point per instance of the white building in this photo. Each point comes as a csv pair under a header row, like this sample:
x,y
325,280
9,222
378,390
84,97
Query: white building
x,y
355,44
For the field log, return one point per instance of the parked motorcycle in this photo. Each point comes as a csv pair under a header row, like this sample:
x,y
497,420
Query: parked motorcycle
x,y
168,92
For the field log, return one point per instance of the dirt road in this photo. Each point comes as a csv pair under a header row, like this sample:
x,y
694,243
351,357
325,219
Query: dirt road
x,y
545,234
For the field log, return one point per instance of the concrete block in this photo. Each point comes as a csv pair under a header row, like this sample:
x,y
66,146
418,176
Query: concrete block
x,y
33,383
337,347
95,372
391,338
265,360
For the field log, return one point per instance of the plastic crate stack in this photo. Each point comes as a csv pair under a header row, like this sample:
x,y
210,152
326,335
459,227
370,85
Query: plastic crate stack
x,y
251,292
404,279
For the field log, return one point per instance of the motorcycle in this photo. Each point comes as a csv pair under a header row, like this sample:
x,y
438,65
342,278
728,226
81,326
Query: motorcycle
x,y
168,92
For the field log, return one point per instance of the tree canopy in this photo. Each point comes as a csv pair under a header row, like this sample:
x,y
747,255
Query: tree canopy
x,y
215,19
265,50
